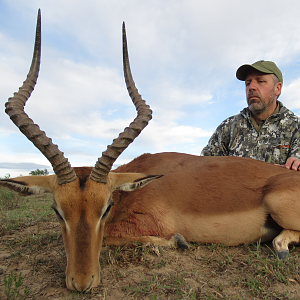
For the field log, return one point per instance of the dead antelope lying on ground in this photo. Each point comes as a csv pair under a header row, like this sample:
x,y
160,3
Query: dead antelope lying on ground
x,y
227,200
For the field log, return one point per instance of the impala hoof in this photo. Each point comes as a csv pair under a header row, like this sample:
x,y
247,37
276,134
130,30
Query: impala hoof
x,y
180,241
283,254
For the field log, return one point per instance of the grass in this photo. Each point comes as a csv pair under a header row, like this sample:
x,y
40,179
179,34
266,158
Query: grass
x,y
31,243
156,284
12,285
244,272
9,200
18,212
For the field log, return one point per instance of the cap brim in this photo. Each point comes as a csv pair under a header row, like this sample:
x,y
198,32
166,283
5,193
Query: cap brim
x,y
243,70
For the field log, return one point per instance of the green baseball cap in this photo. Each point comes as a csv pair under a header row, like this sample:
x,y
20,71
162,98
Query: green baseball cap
x,y
263,66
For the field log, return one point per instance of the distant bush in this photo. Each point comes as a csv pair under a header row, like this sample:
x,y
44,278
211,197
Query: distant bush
x,y
6,176
39,172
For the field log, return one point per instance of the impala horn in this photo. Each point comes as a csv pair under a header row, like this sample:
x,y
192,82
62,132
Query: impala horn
x,y
144,115
15,110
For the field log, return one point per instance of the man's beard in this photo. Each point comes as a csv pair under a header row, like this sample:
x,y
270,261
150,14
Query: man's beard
x,y
258,106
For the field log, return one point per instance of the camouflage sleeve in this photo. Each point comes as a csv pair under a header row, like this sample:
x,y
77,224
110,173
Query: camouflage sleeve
x,y
219,141
295,145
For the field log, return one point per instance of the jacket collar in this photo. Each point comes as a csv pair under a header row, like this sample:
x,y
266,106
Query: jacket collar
x,y
275,116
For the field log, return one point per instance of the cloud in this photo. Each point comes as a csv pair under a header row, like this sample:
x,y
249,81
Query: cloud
x,y
291,94
171,137
183,59
23,166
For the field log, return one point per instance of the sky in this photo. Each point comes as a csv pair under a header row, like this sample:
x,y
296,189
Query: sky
x,y
183,54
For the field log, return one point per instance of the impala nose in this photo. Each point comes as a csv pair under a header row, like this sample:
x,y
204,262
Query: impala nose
x,y
82,286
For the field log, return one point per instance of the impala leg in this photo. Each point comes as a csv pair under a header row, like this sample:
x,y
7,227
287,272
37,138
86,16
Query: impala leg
x,y
176,241
283,240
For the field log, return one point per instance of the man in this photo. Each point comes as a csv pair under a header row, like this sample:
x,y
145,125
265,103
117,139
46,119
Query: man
x,y
265,130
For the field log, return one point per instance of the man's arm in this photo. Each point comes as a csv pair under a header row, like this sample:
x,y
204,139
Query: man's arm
x,y
293,161
218,143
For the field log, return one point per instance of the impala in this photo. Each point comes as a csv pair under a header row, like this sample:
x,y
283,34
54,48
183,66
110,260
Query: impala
x,y
227,200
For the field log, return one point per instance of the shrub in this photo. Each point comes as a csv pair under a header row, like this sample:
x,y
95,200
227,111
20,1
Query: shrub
x,y
39,172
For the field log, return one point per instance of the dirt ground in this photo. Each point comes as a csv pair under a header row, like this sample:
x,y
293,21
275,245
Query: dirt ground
x,y
149,272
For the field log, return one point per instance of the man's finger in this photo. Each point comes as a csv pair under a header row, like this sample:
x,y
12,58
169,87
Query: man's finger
x,y
292,163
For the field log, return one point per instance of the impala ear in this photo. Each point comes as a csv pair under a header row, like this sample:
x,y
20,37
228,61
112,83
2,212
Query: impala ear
x,y
28,185
130,181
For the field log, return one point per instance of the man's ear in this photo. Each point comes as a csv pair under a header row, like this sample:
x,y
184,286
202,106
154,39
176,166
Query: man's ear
x,y
130,181
278,87
28,185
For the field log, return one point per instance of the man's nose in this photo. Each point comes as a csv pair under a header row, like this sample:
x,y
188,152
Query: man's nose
x,y
252,85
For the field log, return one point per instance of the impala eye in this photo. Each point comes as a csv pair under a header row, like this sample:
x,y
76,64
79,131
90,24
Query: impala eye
x,y
57,214
105,215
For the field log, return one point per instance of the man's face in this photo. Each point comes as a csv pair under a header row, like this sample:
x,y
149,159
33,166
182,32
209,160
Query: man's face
x,y
261,92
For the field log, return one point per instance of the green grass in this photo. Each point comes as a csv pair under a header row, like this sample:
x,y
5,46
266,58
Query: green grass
x,y
244,272
9,200
156,285
18,211
12,285
31,236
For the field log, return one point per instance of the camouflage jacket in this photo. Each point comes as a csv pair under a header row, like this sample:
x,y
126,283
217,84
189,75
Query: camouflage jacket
x,y
277,140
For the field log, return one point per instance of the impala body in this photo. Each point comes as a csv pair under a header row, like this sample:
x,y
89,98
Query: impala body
x,y
227,200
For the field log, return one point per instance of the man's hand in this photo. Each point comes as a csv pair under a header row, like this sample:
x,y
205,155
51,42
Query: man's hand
x,y
292,163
